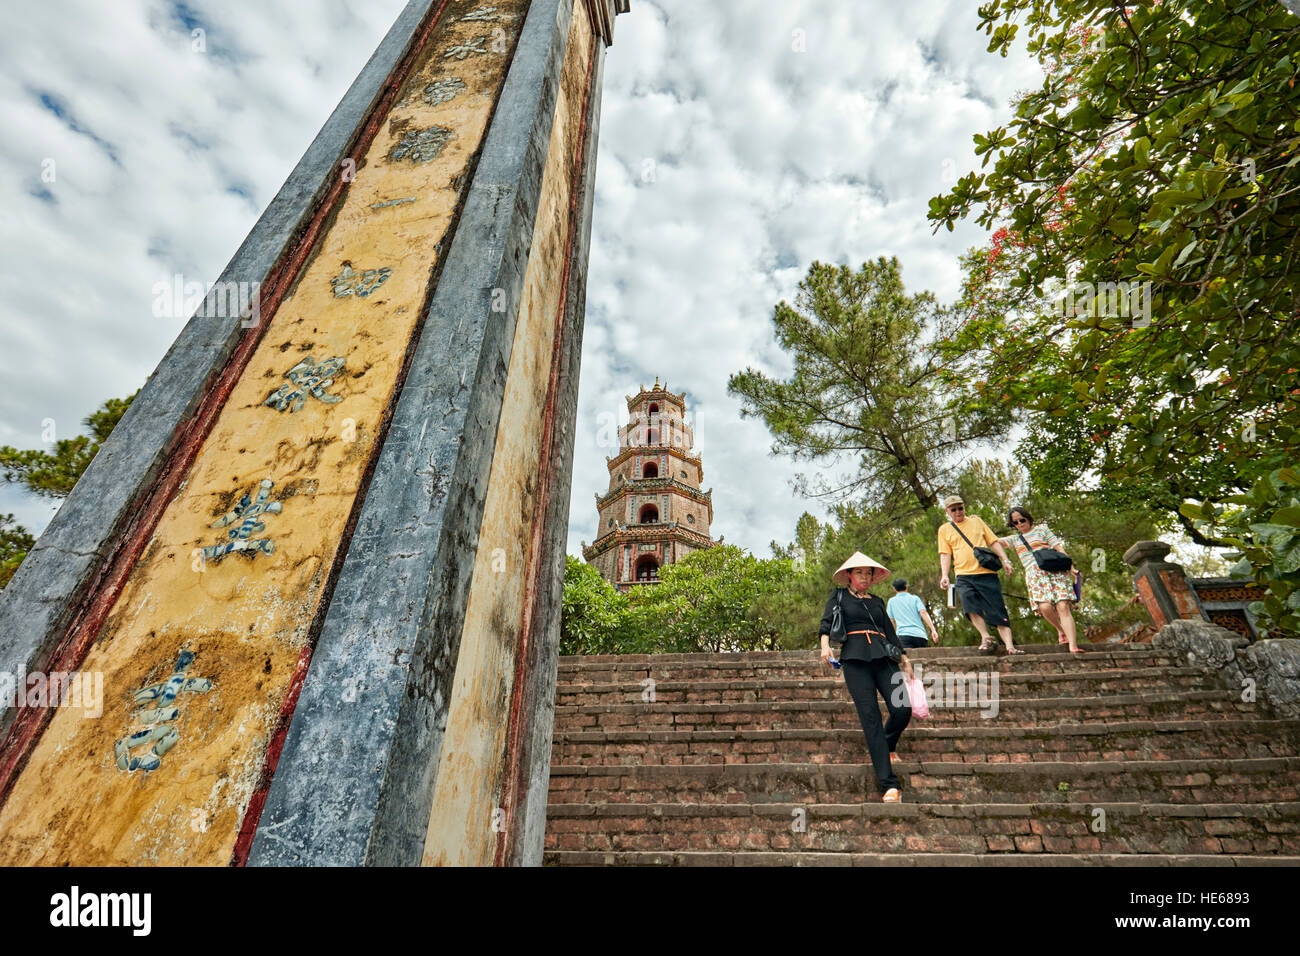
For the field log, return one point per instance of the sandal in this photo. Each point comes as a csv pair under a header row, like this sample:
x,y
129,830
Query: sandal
x,y
892,795
1014,650
1061,638
987,648
1076,650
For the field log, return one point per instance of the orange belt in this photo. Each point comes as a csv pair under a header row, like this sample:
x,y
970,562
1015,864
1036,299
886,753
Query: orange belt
x,y
868,633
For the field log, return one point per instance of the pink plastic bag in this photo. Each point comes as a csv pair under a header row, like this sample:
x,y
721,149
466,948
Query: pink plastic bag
x,y
916,691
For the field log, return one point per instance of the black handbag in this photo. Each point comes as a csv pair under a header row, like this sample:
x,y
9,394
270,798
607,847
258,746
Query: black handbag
x,y
837,618
1049,559
987,558
893,650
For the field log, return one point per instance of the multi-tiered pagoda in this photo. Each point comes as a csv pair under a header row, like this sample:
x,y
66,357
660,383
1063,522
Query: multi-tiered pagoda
x,y
654,512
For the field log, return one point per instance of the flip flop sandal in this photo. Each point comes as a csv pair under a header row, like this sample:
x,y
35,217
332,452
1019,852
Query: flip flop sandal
x,y
1014,650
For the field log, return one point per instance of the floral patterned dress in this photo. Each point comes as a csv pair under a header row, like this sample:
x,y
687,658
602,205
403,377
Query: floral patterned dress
x,y
1045,587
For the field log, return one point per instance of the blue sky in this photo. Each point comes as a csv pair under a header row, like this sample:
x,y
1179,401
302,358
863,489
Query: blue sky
x,y
739,141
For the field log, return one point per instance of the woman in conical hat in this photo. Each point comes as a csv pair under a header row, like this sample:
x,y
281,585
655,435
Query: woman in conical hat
x,y
872,657
877,572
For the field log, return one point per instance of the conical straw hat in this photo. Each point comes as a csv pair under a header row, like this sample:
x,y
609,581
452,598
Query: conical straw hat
x,y
859,560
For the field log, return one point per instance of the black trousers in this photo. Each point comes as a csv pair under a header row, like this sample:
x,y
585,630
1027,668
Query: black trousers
x,y
864,680
910,642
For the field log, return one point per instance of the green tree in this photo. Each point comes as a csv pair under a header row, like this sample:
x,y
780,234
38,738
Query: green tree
x,y
1161,148
706,602
593,613
866,383
51,474
15,542
1264,525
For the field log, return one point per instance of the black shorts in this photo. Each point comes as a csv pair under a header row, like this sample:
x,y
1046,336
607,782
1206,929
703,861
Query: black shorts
x,y
982,594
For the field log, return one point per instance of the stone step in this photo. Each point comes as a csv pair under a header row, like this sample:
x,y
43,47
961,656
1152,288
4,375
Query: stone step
x,y
940,684
807,664
909,828
830,714
1247,781
711,657
814,858
1133,740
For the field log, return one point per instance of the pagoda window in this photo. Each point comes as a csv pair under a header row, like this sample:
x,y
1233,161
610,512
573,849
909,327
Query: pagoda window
x,y
649,514
647,568
649,470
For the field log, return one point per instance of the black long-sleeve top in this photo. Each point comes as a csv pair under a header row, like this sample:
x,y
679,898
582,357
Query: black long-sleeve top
x,y
861,614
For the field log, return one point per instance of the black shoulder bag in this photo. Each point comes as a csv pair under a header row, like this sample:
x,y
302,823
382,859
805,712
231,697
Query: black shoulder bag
x,y
837,618
987,558
1049,559
894,651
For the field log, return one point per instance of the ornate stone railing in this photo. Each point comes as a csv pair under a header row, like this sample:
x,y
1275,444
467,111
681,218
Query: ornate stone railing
x,y
1169,595
1208,621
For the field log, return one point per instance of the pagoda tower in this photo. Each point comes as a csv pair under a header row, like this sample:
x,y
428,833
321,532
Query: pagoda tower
x,y
654,512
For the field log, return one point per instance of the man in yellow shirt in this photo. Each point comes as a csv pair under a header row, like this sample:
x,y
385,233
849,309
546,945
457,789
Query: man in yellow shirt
x,y
978,587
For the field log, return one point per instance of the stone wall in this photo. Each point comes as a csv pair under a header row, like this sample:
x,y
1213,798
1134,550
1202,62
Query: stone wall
x,y
1265,671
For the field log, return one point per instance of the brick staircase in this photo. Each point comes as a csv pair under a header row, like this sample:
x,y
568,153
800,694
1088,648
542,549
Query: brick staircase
x,y
1118,755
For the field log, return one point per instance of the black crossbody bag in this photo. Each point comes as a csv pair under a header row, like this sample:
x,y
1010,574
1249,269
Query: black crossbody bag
x,y
837,618
1049,559
987,558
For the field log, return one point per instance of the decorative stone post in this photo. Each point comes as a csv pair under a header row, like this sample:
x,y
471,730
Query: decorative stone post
x,y
1161,584
318,563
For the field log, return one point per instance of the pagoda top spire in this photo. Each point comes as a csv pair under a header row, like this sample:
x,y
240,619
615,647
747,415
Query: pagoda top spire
x,y
657,391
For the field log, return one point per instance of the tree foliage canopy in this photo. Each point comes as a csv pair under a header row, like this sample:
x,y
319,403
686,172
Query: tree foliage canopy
x,y
1264,525
705,602
1161,148
15,542
865,382
53,474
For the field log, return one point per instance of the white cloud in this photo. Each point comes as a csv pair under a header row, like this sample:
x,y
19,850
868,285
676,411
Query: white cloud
x,y
727,163
163,160
764,159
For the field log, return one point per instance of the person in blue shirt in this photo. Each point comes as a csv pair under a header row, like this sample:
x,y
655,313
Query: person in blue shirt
x,y
910,617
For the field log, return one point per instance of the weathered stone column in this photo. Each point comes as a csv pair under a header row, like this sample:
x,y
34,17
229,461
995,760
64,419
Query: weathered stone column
x,y
317,565
1161,584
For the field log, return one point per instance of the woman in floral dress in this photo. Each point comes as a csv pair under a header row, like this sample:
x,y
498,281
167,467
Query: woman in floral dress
x,y
1052,592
